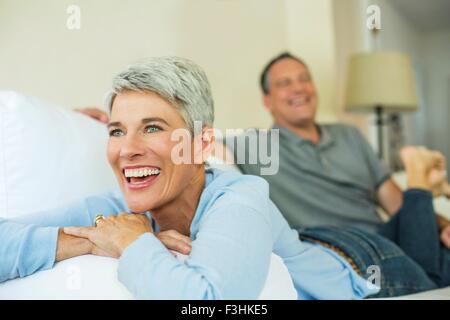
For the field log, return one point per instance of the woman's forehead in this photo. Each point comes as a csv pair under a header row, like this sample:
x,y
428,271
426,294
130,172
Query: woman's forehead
x,y
135,106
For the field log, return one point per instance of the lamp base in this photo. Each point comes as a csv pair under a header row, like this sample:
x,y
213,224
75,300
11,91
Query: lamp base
x,y
379,123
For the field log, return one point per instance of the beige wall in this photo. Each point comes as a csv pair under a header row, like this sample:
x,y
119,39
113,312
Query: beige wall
x,y
310,30
436,83
350,35
231,39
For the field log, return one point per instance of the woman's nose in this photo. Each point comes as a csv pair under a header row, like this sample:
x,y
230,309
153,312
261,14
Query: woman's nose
x,y
132,147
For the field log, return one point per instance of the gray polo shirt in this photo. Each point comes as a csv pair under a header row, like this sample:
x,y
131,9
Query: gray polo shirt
x,y
333,183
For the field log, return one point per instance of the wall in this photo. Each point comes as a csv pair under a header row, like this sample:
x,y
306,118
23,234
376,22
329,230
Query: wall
x,y
230,39
310,30
436,51
349,32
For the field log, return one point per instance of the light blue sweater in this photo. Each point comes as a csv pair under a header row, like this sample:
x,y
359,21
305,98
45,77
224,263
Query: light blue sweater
x,y
234,230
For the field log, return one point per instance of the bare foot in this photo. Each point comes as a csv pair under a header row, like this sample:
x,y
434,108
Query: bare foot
x,y
425,169
439,184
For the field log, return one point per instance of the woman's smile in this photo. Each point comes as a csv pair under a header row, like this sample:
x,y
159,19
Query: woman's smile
x,y
140,176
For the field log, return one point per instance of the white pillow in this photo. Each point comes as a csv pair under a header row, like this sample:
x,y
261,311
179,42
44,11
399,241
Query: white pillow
x,y
48,155
91,277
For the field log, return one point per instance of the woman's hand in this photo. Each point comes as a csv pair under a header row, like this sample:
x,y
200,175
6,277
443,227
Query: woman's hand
x,y
173,240
69,246
113,234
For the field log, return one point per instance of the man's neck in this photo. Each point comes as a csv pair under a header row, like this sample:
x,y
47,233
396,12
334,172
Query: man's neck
x,y
178,214
308,131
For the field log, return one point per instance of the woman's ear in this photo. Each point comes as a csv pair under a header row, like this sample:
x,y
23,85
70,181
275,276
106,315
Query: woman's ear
x,y
208,139
208,142
203,145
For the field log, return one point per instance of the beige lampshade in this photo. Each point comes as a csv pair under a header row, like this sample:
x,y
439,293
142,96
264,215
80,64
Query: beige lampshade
x,y
383,79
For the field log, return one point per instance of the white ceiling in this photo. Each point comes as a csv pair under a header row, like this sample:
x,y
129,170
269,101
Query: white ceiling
x,y
426,15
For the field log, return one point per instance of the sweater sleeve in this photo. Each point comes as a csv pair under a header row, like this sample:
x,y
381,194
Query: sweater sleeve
x,y
230,258
28,243
25,249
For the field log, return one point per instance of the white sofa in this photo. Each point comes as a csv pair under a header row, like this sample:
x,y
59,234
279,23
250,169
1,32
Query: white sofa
x,y
50,156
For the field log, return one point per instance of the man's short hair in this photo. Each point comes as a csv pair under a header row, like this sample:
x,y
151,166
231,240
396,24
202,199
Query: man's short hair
x,y
264,79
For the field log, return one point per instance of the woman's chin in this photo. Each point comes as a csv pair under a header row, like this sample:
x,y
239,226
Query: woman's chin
x,y
137,206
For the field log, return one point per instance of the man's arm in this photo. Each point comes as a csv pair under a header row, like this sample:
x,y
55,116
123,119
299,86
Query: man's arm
x,y
390,196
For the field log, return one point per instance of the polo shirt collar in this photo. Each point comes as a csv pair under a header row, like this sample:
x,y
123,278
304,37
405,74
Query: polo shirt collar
x,y
326,138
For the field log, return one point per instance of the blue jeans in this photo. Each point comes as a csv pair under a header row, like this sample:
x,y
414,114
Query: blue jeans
x,y
407,249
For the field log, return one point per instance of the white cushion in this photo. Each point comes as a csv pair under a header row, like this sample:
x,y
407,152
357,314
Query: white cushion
x,y
49,155
91,277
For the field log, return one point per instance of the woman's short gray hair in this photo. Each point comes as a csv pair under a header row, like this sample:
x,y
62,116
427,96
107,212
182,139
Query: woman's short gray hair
x,y
179,81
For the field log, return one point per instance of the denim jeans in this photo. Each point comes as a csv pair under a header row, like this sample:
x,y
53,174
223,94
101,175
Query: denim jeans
x,y
406,250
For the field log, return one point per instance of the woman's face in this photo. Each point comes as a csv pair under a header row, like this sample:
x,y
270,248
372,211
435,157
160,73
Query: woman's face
x,y
140,149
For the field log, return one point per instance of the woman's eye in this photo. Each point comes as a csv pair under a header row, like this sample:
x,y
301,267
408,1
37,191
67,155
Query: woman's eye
x,y
152,129
116,133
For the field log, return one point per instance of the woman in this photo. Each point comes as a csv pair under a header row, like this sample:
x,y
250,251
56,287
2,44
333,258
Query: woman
x,y
226,222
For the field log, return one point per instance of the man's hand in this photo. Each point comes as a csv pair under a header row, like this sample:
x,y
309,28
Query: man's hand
x,y
445,236
94,113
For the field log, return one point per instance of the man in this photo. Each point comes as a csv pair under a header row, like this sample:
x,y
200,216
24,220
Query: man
x,y
328,174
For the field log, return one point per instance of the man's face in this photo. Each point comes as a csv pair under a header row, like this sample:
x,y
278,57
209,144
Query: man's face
x,y
292,98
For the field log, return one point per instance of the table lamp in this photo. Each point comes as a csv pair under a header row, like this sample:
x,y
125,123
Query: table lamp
x,y
380,82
